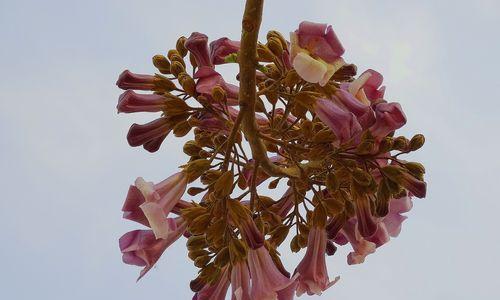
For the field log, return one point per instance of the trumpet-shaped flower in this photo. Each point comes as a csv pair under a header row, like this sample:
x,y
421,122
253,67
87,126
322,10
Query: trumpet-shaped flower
x,y
313,274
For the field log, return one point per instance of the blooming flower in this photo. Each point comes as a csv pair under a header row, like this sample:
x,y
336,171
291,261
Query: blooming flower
x,y
363,112
389,117
316,52
313,275
344,124
150,135
367,87
150,204
131,102
394,219
361,247
141,248
221,48
267,280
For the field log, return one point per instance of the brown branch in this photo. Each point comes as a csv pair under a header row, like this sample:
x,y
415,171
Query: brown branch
x,y
247,57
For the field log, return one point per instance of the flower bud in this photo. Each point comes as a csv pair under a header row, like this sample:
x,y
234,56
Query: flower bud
x,y
176,68
219,94
275,46
161,63
197,167
181,49
187,83
224,185
401,143
416,142
191,148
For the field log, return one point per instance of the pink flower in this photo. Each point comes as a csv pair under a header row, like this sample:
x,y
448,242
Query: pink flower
x,y
267,280
367,87
316,52
344,124
150,204
361,247
221,48
364,113
149,135
313,274
208,78
128,80
197,44
366,223
394,219
140,248
131,102
216,291
240,281
389,117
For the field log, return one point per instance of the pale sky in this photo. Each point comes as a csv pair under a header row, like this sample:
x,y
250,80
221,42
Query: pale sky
x,y
65,164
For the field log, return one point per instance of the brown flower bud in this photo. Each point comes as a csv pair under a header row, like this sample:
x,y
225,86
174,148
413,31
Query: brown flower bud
x,y
279,234
200,224
275,34
197,253
196,242
197,167
210,176
416,142
332,182
417,169
224,185
202,261
292,78
187,83
401,143
361,177
181,129
386,144
161,63
294,244
219,94
176,106
171,53
163,84
264,53
275,46
193,191
176,68
179,46
191,148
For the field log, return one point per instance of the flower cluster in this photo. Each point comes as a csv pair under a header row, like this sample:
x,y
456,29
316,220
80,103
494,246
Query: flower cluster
x,y
328,138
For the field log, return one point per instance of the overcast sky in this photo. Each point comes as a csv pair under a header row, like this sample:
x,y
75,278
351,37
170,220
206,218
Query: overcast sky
x,y
65,165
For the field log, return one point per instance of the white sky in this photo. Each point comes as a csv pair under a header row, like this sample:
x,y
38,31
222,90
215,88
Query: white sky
x,y
65,165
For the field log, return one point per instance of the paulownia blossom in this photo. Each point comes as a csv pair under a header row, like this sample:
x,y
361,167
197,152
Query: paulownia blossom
x,y
316,52
304,123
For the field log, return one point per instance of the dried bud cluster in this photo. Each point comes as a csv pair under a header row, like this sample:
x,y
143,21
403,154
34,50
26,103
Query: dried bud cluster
x,y
328,137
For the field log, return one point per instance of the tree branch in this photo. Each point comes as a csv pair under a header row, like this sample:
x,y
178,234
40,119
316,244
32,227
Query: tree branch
x,y
247,57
